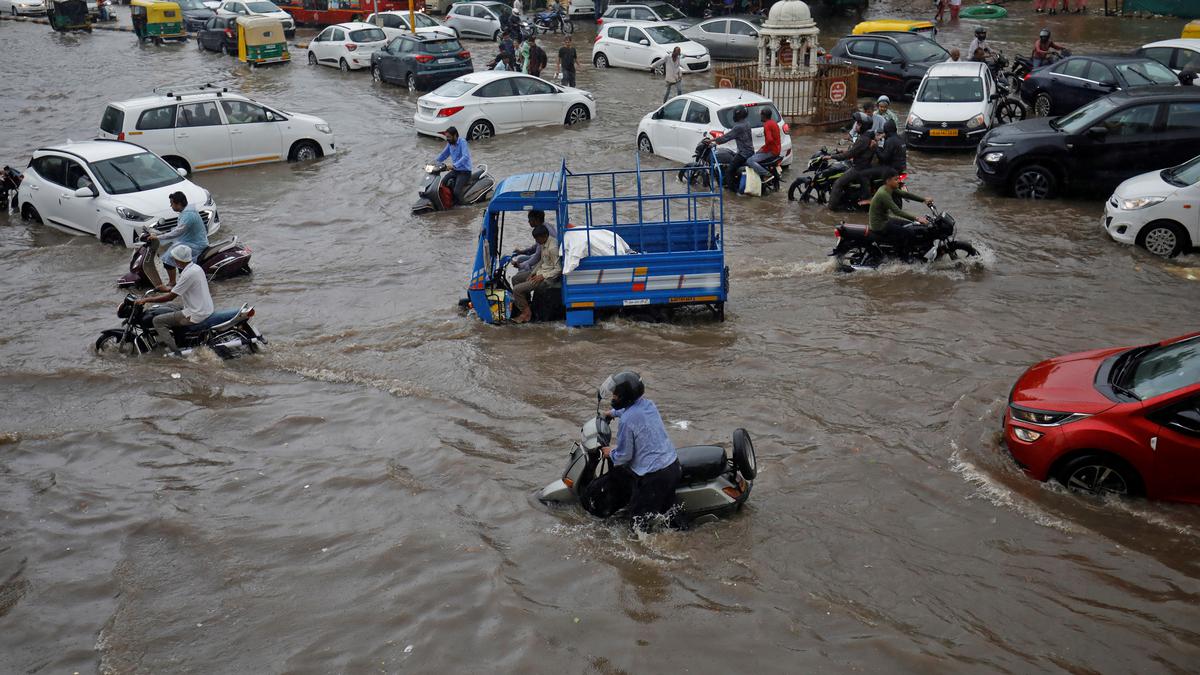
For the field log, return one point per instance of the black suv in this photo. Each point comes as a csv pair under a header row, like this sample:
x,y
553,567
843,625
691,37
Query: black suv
x,y
421,61
889,63
1097,146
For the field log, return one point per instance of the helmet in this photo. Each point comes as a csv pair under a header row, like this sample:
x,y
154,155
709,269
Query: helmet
x,y
1045,33
740,114
863,120
883,99
623,388
980,32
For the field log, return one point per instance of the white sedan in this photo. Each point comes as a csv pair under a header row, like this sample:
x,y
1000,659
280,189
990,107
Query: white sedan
x,y
646,46
1156,210
676,128
395,23
24,7
347,46
486,103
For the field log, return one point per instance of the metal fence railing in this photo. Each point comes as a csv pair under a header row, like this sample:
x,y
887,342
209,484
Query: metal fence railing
x,y
826,95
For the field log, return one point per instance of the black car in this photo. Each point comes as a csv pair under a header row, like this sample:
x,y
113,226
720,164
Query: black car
x,y
195,15
421,61
219,34
889,63
1096,147
1061,87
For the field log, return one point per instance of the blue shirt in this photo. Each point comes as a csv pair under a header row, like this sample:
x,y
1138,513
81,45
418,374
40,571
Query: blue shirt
x,y
642,440
190,231
460,156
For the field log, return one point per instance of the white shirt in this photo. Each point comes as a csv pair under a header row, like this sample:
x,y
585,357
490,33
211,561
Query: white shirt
x,y
192,289
516,6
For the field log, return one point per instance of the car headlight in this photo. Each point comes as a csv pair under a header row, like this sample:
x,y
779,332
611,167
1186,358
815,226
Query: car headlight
x,y
1044,418
914,121
130,214
1140,202
975,122
208,200
590,96
1026,435
324,128
993,157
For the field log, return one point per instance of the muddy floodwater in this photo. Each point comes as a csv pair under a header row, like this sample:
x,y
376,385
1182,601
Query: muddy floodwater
x,y
360,498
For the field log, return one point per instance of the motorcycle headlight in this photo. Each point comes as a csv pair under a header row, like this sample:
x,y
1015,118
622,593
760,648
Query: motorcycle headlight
x,y
975,122
130,214
1140,202
1043,418
993,157
324,128
915,122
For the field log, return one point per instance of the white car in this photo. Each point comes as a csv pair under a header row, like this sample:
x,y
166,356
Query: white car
x,y
347,46
1178,55
203,128
676,128
491,102
395,23
236,8
581,8
1157,210
108,190
479,19
24,7
953,107
646,46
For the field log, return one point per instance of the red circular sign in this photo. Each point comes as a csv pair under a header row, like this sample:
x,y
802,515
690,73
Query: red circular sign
x,y
837,91
725,82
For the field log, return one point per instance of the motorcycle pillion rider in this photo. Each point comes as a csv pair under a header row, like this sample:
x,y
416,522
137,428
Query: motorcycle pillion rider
x,y
1043,47
643,454
189,231
741,133
460,162
192,289
860,156
886,218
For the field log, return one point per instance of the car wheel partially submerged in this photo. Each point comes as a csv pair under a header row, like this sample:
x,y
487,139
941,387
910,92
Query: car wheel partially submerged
x,y
312,59
1163,238
1100,475
1033,182
578,113
644,145
1042,105
480,130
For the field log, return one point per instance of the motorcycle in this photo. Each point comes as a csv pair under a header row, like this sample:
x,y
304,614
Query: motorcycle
x,y
818,178
713,484
228,333
10,180
858,248
221,260
553,20
707,156
437,195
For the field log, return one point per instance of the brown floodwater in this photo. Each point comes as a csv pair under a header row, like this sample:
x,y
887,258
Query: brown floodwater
x,y
361,497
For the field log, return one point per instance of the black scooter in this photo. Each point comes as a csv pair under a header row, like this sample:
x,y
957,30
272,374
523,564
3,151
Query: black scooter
x,y
858,248
437,195
227,333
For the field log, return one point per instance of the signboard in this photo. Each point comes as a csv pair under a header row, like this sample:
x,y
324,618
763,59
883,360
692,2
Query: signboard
x,y
837,91
725,82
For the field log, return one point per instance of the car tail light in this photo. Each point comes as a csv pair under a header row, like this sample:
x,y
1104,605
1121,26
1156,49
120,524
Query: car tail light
x,y
1026,76
599,21
229,33
121,136
423,58
598,36
350,46
464,54
837,233
447,112
786,128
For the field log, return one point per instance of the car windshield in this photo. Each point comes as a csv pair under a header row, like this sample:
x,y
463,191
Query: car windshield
x,y
443,47
1160,370
1085,117
262,7
667,12
453,89
1146,73
503,10
665,35
423,21
1185,174
923,50
951,90
367,35
134,173
725,115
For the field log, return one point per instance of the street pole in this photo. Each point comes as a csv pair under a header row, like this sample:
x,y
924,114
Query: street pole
x,y
412,16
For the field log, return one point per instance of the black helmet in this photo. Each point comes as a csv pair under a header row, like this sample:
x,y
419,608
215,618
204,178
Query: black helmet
x,y
623,388
863,120
1045,33
980,32
740,114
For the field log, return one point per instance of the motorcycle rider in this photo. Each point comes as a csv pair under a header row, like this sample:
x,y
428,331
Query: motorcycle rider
x,y
886,219
745,144
460,162
860,156
189,231
771,149
192,289
1043,47
892,155
980,43
643,454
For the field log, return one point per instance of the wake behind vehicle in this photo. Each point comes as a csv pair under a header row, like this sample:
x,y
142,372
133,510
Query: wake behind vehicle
x,y
222,260
436,195
859,249
228,333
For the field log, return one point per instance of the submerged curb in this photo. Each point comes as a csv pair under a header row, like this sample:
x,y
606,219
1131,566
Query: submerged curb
x,y
46,22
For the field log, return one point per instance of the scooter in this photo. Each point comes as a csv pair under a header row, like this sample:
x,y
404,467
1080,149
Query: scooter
x,y
10,180
818,179
222,260
436,195
707,156
713,485
859,249
227,333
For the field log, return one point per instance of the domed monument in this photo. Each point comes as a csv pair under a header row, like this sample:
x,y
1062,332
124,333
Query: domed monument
x,y
788,39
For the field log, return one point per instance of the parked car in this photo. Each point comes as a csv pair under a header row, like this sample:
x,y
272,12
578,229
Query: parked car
x,y
219,34
492,102
25,7
954,107
646,47
1156,210
236,8
1059,88
205,128
1181,56
348,46
1122,421
421,61
1099,145
727,37
657,12
479,19
106,189
889,63
195,14
581,8
395,23
676,128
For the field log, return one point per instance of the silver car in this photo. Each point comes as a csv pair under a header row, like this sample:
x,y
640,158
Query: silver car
x,y
728,37
654,10
479,19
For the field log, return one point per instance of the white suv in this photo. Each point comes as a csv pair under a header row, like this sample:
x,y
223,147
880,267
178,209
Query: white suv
x,y
106,189
208,128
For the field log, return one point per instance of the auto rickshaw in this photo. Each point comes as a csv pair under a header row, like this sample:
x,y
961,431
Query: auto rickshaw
x,y
157,20
1192,29
926,28
68,15
261,40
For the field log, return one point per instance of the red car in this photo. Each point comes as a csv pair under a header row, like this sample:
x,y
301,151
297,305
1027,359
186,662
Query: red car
x,y
1124,421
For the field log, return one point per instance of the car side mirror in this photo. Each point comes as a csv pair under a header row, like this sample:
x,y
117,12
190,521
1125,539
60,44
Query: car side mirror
x,y
1108,84
1098,133
644,43
898,61
86,192
1186,78
1187,420
657,115
181,171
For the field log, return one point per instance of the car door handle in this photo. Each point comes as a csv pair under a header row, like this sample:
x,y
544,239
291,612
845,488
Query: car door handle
x,y
181,135
34,187
878,67
235,131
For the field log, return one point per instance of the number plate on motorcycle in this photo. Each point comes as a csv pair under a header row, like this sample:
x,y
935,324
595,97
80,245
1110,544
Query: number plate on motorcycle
x,y
943,132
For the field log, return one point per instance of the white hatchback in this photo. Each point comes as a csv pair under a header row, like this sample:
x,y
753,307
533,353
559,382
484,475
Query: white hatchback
x,y
646,46
1157,210
485,20
205,128
347,46
491,102
675,129
236,8
953,107
395,23
108,190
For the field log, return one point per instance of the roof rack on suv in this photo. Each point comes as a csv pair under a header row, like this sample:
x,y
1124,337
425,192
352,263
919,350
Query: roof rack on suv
x,y
178,91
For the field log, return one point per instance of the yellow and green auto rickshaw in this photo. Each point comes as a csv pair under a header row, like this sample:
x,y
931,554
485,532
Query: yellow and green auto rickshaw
x,y
261,40
157,20
921,27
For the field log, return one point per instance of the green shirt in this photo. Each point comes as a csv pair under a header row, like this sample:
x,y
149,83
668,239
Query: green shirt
x,y
884,207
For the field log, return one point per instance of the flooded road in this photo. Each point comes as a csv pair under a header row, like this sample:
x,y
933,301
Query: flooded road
x,y
361,497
